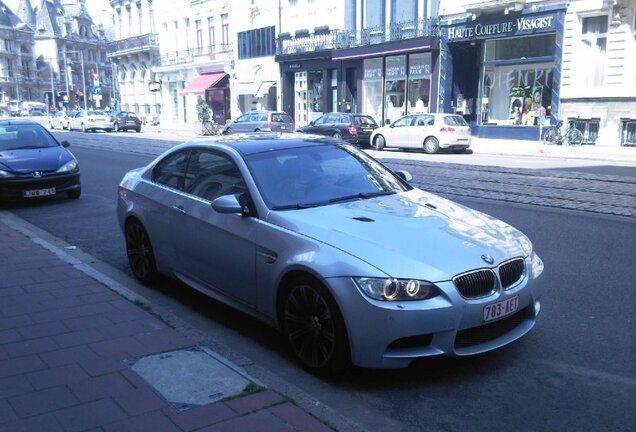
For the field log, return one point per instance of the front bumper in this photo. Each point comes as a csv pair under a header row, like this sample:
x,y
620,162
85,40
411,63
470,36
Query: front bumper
x,y
14,188
393,334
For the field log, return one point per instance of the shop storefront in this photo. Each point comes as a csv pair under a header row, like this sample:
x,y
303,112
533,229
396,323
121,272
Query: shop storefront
x,y
384,80
502,72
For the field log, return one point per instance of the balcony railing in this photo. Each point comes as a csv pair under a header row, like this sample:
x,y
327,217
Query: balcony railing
x,y
338,39
134,44
213,52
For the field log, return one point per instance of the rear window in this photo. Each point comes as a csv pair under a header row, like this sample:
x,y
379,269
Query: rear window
x,y
281,118
97,113
365,121
455,121
132,115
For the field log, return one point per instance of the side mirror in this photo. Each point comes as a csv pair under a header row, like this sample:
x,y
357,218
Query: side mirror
x,y
404,175
65,143
229,204
387,122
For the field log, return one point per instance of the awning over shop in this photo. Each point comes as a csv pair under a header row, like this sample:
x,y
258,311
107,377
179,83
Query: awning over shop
x,y
263,88
200,84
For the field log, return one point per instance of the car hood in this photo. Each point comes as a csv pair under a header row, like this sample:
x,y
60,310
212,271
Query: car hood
x,y
41,159
413,234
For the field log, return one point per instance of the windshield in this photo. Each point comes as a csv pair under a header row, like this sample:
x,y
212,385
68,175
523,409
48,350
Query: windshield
x,y
26,136
319,175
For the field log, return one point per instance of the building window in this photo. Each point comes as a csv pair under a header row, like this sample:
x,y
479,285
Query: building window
x,y
225,30
374,13
403,11
211,39
588,127
256,43
595,46
140,18
628,132
517,80
199,31
419,83
314,91
350,15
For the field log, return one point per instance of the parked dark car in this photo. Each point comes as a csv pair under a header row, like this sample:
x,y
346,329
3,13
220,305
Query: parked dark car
x,y
352,128
126,120
34,164
261,121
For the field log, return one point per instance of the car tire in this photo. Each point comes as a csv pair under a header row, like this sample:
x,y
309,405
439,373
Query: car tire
x,y
51,126
313,327
138,130
378,143
337,136
431,145
68,127
75,193
141,257
83,127
257,130
227,131
116,127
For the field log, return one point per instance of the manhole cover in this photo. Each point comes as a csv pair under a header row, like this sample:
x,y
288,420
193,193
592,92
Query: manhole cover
x,y
190,377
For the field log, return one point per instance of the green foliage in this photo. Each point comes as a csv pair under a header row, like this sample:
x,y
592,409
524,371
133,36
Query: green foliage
x,y
203,111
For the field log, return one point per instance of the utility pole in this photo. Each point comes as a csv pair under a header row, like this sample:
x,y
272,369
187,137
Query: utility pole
x,y
83,77
66,74
52,100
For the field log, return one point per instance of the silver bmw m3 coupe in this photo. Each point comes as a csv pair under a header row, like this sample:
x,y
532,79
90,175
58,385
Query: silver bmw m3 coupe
x,y
321,241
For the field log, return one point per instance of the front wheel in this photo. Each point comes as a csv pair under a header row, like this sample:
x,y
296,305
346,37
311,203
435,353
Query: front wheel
x,y
141,257
575,137
227,131
551,136
116,127
68,127
431,145
84,128
378,143
314,327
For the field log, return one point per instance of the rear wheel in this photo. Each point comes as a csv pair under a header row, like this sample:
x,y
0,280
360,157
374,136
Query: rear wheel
x,y
314,327
575,137
227,131
378,143
84,128
138,130
140,254
431,145
551,136
68,127
116,127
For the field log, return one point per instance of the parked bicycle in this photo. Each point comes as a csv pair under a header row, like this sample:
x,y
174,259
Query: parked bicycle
x,y
556,135
210,128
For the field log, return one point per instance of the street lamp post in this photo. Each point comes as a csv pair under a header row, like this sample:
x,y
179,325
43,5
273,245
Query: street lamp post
x,y
66,74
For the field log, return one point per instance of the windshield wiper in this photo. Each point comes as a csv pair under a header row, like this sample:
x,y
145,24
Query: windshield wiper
x,y
362,195
299,206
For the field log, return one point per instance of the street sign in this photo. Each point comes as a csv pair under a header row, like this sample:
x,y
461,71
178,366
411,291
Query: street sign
x,y
97,90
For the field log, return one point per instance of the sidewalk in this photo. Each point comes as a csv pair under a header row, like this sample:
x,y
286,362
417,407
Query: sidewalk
x,y
76,356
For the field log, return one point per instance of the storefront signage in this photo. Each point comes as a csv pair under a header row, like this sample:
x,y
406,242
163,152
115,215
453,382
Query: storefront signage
x,y
294,66
373,69
395,68
521,25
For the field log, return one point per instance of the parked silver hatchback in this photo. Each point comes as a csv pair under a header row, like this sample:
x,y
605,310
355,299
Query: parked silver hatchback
x,y
261,121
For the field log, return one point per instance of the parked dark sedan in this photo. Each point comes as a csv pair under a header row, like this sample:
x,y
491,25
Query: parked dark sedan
x,y
126,120
352,128
34,164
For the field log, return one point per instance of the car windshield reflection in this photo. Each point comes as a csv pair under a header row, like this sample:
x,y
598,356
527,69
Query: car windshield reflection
x,y
24,137
312,176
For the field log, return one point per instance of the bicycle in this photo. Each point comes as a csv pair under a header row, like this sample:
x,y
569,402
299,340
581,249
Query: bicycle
x,y
556,136
210,128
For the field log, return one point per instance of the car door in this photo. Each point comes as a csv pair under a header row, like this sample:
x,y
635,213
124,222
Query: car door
x,y
398,132
239,125
425,127
216,251
314,127
76,121
330,126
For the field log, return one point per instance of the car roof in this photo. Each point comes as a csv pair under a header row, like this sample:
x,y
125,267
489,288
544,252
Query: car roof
x,y
252,143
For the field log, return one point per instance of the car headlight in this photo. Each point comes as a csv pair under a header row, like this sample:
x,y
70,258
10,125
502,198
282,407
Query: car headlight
x,y
525,243
68,166
6,174
396,289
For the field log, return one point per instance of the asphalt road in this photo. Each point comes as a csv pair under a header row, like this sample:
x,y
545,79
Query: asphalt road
x,y
574,372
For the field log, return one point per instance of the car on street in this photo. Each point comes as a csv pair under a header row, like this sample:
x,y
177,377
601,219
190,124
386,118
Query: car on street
x,y
125,120
260,121
318,239
90,120
34,164
352,128
430,132
60,119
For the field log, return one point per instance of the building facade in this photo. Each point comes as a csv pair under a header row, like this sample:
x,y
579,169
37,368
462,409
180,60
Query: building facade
x,y
598,86
133,54
195,59
378,57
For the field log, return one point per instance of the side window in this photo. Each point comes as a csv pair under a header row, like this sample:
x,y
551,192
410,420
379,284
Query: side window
x,y
331,119
78,115
404,121
344,119
254,117
425,120
211,175
320,120
262,117
242,118
171,171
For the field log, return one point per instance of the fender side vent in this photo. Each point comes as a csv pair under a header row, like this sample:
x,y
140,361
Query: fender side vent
x,y
363,219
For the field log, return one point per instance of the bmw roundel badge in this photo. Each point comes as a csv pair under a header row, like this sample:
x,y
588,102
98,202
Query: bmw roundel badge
x,y
488,259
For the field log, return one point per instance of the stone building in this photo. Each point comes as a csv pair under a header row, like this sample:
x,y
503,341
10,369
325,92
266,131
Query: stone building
x,y
134,53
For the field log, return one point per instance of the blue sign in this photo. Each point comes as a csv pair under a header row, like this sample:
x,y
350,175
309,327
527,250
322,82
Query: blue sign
x,y
97,90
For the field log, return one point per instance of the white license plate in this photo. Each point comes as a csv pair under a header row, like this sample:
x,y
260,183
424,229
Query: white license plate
x,y
38,193
501,309
283,127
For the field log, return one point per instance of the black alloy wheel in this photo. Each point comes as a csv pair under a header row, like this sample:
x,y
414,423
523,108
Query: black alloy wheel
x,y
140,254
314,328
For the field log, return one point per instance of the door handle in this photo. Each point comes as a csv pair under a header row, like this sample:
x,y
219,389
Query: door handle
x,y
179,208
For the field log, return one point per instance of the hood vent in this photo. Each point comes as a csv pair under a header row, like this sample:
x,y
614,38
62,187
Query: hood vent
x,y
363,219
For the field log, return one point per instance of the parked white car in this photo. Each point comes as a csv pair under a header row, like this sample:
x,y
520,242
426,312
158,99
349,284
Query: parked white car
x,y
90,120
431,132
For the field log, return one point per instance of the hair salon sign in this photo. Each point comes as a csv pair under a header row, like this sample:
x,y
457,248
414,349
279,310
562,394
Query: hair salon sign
x,y
510,27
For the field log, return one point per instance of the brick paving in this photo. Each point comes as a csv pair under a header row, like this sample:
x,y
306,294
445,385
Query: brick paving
x,y
63,341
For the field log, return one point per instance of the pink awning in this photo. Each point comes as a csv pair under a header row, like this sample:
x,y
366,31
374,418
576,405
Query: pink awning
x,y
200,84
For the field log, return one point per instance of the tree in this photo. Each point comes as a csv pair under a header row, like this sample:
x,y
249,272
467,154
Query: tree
x,y
203,111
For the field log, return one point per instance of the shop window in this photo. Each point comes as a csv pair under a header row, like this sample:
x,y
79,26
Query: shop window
x,y
395,87
372,103
595,44
419,83
333,77
314,91
628,132
588,127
